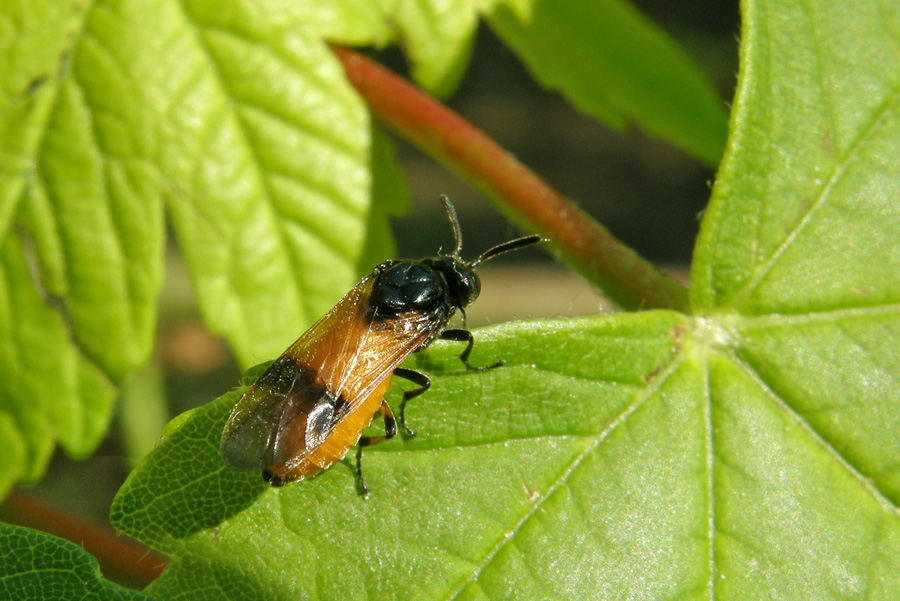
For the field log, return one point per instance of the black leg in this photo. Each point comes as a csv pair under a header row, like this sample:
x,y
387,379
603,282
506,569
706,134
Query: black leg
x,y
390,430
415,377
360,481
466,336
272,479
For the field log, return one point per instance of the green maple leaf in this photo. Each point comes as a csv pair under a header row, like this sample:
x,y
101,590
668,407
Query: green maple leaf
x,y
746,451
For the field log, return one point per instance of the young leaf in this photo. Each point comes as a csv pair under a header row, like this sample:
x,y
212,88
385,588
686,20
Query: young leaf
x,y
613,64
268,149
36,41
437,37
49,391
605,57
240,117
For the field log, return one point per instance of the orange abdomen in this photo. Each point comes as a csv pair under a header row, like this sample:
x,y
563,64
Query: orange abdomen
x,y
345,434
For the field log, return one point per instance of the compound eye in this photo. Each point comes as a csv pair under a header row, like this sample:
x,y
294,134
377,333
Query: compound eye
x,y
474,285
466,285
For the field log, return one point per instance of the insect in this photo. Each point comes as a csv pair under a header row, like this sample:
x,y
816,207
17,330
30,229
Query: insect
x,y
313,403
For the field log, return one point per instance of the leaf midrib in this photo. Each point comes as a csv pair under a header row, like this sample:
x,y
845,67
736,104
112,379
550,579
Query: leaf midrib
x,y
566,473
840,168
788,411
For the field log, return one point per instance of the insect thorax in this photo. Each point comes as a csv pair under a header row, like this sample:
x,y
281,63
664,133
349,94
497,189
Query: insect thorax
x,y
441,284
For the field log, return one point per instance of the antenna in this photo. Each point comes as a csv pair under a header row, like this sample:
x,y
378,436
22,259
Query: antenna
x,y
454,223
506,247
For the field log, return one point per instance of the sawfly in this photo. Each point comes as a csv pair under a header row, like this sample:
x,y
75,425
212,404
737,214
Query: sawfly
x,y
314,402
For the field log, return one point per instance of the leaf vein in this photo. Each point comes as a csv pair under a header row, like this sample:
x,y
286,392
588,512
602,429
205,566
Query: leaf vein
x,y
215,68
815,436
565,475
882,115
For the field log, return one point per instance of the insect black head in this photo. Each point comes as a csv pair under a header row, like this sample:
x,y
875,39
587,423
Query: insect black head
x,y
463,283
446,282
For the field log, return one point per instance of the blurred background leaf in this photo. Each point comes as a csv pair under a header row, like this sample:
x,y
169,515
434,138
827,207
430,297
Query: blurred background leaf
x,y
613,64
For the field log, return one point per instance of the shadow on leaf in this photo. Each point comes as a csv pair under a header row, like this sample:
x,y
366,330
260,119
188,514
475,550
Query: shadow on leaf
x,y
183,486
